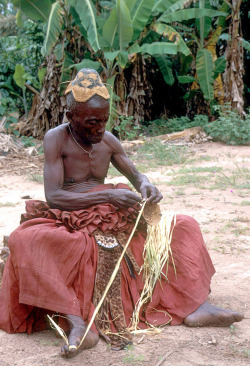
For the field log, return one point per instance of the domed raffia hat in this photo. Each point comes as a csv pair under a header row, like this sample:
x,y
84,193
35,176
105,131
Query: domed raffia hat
x,y
86,84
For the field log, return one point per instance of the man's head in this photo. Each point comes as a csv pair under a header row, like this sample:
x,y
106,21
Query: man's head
x,y
87,106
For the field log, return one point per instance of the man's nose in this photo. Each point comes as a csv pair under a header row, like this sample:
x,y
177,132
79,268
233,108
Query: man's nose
x,y
101,129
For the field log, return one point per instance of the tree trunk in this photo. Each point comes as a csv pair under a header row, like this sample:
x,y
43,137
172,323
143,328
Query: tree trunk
x,y
48,107
234,56
139,99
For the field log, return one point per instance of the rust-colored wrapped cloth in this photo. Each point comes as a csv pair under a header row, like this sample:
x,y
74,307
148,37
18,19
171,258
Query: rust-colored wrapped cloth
x,y
53,261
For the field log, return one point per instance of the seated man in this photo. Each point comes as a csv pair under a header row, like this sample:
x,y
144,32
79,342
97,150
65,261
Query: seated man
x,y
56,264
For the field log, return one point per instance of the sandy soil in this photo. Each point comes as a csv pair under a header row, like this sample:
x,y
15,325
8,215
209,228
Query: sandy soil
x,y
224,216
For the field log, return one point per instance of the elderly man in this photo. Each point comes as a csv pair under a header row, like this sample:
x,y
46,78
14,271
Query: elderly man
x,y
64,251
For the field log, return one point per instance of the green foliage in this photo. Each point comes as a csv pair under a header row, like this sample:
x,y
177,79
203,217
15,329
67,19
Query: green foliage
x,y
35,9
230,127
162,126
204,68
54,27
165,66
19,76
87,15
125,128
24,49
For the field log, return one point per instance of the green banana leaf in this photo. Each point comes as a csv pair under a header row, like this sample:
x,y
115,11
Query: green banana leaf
x,y
141,16
245,44
170,6
124,24
78,22
187,14
185,79
111,56
110,28
172,34
131,4
204,68
219,66
86,63
135,48
19,19
86,12
35,9
165,66
54,27
122,59
19,76
66,72
113,113
204,23
159,48
107,5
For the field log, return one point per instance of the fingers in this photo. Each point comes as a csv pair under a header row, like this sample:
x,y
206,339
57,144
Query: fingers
x,y
151,193
144,192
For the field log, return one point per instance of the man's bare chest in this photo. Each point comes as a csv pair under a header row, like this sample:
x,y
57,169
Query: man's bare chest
x,y
78,164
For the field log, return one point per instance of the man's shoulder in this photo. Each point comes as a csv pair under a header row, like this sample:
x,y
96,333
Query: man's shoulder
x,y
111,141
56,132
110,138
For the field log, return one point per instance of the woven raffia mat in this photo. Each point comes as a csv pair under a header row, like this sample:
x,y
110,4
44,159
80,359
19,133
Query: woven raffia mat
x,y
152,213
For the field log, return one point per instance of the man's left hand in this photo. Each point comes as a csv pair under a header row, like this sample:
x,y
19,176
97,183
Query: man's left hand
x,y
150,192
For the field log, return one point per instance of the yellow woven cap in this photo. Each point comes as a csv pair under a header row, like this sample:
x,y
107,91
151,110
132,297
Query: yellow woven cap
x,y
86,84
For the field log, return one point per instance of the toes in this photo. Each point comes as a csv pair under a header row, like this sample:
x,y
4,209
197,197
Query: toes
x,y
238,317
69,351
64,350
72,350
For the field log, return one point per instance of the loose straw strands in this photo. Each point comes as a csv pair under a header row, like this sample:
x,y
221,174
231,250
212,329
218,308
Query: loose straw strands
x,y
107,287
59,329
156,255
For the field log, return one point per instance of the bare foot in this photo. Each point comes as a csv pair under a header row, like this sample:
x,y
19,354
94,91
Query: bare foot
x,y
77,331
209,315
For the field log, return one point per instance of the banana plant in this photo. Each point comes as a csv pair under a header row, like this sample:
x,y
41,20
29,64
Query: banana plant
x,y
208,68
57,15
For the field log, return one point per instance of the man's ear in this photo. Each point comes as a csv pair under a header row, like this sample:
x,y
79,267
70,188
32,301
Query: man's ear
x,y
69,115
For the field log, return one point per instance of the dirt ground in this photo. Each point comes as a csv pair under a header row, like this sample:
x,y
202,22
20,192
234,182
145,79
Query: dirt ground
x,y
224,216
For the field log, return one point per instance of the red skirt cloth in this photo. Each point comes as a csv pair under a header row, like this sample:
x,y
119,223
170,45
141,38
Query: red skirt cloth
x,y
53,261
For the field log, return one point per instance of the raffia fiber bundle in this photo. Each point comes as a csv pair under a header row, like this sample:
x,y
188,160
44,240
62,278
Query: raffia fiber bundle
x,y
156,254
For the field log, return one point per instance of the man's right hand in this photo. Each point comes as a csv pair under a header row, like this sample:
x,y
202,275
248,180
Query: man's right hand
x,y
123,198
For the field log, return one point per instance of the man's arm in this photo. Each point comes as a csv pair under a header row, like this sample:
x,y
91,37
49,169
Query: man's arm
x,y
54,179
125,166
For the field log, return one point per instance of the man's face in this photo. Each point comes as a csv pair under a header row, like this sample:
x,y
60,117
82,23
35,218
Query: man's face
x,y
89,119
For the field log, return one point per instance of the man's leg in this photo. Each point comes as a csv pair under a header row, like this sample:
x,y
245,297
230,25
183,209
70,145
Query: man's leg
x,y
209,315
77,331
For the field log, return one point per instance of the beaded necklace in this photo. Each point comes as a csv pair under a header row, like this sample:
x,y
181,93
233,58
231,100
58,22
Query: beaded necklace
x,y
87,152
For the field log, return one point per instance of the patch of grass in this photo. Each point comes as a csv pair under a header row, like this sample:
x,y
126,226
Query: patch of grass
x,y
211,169
180,192
8,204
187,179
203,158
36,178
241,219
238,178
154,154
131,358
245,203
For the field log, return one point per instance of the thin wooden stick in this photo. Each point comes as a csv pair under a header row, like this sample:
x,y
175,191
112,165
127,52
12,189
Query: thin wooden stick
x,y
164,358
